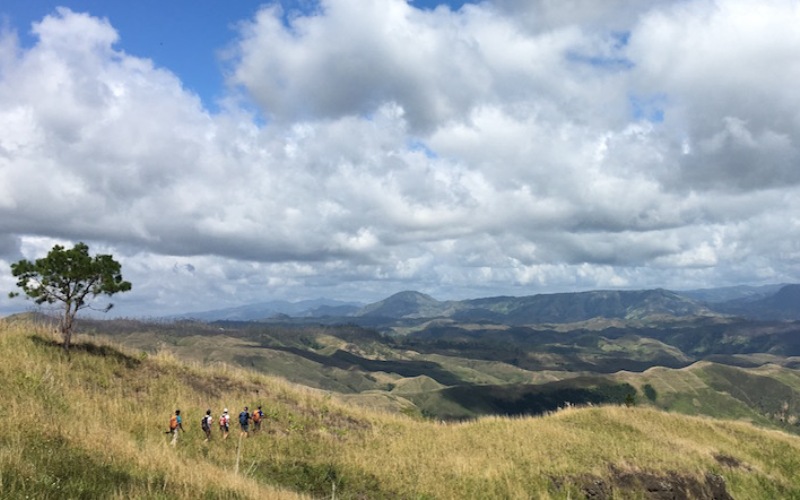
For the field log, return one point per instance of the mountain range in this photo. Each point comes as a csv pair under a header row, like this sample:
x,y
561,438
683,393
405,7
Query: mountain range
x,y
773,302
276,309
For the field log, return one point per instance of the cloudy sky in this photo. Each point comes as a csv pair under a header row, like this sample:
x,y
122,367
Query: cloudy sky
x,y
350,149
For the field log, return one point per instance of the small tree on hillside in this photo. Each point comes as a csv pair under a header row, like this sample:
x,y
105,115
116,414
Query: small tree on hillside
x,y
71,278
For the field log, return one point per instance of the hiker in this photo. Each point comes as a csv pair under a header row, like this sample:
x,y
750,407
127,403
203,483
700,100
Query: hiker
x,y
206,424
244,422
175,425
258,416
224,423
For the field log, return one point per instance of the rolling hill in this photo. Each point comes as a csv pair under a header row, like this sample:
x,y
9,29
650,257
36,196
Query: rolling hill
x,y
107,408
463,371
605,394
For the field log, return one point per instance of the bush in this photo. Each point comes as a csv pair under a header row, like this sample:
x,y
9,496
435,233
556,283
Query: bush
x,y
650,392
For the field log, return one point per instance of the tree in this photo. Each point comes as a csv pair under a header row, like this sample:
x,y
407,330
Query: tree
x,y
650,392
71,278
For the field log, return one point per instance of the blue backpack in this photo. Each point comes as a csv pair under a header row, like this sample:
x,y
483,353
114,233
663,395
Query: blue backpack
x,y
243,418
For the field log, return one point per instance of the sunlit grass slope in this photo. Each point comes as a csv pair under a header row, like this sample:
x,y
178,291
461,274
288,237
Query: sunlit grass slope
x,y
92,425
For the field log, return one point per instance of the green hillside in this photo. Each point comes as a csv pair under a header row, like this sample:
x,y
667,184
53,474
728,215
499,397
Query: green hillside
x,y
768,395
91,425
472,370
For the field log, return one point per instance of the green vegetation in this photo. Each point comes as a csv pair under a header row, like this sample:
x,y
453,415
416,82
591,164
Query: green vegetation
x,y
97,421
650,393
450,372
71,278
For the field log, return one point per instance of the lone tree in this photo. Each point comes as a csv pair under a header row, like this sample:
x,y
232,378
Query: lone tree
x,y
70,277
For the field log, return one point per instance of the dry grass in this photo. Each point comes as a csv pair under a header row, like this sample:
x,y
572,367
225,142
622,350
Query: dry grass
x,y
99,417
511,458
112,412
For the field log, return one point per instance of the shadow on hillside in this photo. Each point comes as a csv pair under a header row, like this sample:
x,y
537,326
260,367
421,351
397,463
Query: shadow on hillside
x,y
622,483
513,399
348,361
91,349
522,399
575,350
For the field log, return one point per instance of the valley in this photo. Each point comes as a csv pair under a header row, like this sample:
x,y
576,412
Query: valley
x,y
641,395
456,361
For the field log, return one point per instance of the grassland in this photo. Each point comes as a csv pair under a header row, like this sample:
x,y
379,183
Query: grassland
x,y
91,425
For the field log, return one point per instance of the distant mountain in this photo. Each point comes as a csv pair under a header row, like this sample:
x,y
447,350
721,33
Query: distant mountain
x,y
343,310
543,308
277,308
730,293
583,306
773,302
406,304
782,305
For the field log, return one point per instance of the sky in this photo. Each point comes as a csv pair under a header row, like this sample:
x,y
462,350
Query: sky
x,y
228,153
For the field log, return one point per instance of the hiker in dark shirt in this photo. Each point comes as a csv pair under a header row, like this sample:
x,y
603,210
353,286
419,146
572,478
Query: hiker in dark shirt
x,y
206,424
244,422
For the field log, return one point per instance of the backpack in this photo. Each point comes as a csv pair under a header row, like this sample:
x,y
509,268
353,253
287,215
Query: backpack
x,y
243,418
173,422
257,416
222,421
205,422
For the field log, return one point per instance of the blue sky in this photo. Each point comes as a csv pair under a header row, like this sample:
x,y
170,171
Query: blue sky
x,y
184,36
357,148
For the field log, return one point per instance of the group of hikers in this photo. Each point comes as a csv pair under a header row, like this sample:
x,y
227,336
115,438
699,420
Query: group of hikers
x,y
245,418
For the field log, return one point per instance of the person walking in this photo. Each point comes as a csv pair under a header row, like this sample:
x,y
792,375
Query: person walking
x,y
224,423
258,416
206,424
175,425
244,422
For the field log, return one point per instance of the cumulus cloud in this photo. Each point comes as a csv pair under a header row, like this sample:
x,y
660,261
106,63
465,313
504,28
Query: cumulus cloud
x,y
504,147
545,15
351,57
727,68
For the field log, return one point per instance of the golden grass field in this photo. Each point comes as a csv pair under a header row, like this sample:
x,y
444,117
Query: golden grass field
x,y
91,425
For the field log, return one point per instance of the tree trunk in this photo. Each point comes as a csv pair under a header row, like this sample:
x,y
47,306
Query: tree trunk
x,y
66,325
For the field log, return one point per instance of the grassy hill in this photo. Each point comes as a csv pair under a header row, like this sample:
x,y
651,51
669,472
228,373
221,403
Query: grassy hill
x,y
466,372
91,425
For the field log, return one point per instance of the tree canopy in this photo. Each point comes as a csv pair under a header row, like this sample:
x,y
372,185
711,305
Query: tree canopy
x,y
69,277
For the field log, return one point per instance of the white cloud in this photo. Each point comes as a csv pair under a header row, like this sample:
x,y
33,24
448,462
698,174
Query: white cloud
x,y
352,57
507,147
728,70
546,15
